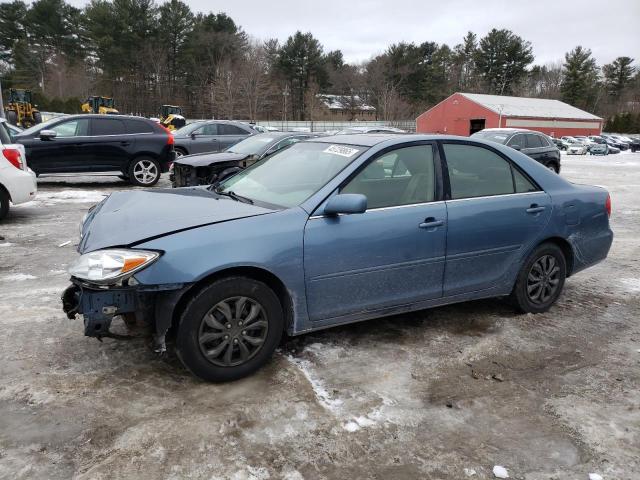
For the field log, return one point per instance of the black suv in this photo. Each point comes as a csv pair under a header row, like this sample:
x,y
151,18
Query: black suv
x,y
534,144
137,148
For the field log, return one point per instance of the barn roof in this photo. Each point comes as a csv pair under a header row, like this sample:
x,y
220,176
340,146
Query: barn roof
x,y
529,107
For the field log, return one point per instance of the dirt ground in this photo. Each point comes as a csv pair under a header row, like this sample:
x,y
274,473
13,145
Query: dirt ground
x,y
439,394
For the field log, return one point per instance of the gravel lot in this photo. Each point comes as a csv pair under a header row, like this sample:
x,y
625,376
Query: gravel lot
x,y
426,395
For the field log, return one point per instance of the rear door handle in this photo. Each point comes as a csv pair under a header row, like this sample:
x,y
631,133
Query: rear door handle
x,y
125,144
431,222
535,208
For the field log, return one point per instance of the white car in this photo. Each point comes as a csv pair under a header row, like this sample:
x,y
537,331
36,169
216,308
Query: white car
x,y
17,181
577,149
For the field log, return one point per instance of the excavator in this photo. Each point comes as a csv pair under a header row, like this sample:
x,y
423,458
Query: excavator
x,y
95,104
20,111
171,117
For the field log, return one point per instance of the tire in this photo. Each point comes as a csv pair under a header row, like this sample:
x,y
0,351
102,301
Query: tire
x,y
37,117
215,358
144,172
12,117
546,262
553,166
4,203
180,152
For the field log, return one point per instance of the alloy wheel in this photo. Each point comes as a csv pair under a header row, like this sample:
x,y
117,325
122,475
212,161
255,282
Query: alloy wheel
x,y
543,279
145,172
233,331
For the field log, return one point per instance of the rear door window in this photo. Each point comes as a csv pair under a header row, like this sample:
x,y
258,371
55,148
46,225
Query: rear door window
x,y
477,172
226,129
107,126
534,141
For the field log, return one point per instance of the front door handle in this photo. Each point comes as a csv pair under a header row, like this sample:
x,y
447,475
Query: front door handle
x,y
431,222
535,208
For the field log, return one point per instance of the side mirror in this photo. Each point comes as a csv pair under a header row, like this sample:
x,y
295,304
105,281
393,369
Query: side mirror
x,y
346,203
48,134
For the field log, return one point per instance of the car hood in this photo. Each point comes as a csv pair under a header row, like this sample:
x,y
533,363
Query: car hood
x,y
127,218
204,159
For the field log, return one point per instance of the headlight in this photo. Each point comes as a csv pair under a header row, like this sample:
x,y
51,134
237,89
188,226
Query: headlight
x,y
109,266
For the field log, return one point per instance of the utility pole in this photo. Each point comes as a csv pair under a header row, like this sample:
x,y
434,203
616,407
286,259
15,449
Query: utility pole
x,y
1,102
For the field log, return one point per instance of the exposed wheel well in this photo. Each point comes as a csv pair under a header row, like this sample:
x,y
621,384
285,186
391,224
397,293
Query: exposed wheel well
x,y
182,149
255,273
5,190
566,248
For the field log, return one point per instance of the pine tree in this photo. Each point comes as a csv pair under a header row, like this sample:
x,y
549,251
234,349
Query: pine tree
x,y
580,78
618,75
502,59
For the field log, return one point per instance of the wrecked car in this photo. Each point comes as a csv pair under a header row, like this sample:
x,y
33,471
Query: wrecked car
x,y
330,231
208,168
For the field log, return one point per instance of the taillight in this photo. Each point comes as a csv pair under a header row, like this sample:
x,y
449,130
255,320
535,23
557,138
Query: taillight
x,y
607,205
14,157
170,135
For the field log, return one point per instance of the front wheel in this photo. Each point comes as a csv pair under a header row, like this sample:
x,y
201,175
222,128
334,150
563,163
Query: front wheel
x,y
144,172
540,280
230,329
553,167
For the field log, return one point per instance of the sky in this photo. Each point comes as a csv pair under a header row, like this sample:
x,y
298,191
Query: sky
x,y
364,28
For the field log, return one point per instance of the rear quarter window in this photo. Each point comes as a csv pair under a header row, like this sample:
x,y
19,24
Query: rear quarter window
x,y
138,126
5,138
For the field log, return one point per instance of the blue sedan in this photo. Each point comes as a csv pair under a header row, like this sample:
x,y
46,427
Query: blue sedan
x,y
327,232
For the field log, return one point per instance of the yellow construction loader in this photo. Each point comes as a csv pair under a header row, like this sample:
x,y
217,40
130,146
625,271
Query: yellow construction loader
x,y
20,111
102,105
171,117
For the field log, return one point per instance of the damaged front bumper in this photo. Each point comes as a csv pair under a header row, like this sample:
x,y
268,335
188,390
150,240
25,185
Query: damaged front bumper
x,y
150,305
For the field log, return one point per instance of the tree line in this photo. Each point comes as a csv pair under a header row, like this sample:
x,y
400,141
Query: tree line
x,y
146,54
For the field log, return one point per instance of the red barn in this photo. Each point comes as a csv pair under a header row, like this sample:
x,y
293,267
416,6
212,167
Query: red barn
x,y
467,113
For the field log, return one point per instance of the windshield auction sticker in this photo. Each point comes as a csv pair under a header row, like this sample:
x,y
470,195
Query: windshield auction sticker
x,y
341,150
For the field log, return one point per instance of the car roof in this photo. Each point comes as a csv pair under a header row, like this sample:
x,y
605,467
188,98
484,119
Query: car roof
x,y
510,130
369,139
99,115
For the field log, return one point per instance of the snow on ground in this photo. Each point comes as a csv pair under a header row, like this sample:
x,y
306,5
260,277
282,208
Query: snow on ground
x,y
434,394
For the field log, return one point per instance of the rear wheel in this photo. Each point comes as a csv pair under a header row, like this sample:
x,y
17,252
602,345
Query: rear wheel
x,y
180,152
230,329
553,167
12,117
4,203
144,172
540,280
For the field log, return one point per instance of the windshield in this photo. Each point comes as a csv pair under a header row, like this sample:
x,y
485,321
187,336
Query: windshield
x,y
187,129
254,145
290,176
498,137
